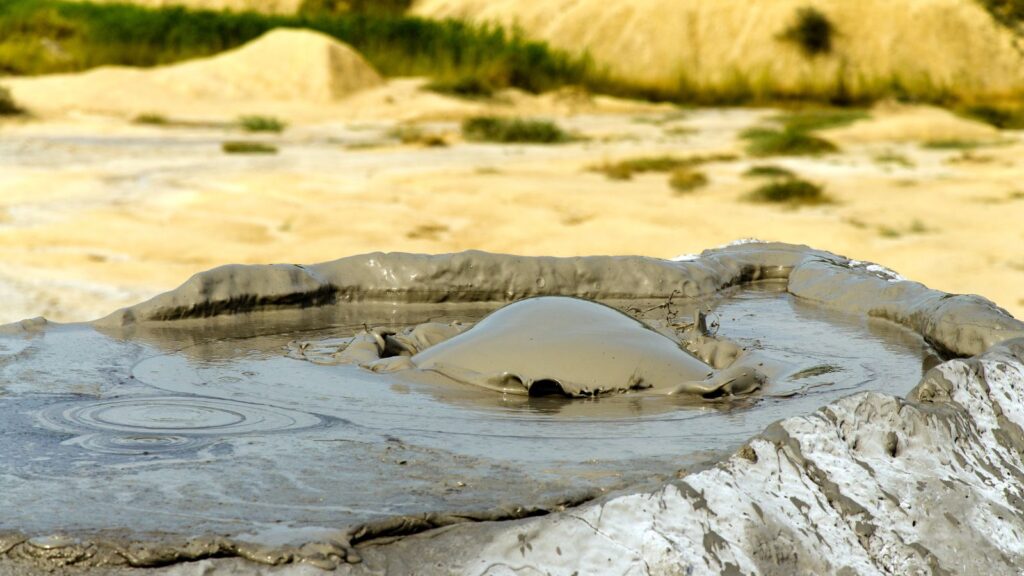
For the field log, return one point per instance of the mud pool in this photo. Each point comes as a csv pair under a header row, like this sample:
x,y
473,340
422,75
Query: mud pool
x,y
221,432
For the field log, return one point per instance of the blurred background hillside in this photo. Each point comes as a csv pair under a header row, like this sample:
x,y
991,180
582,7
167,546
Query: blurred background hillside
x,y
143,142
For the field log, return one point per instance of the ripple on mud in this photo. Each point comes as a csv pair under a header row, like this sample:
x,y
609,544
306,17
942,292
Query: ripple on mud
x,y
146,425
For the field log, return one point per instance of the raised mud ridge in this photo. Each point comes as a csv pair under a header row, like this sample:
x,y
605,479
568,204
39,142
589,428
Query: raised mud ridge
x,y
871,484
957,325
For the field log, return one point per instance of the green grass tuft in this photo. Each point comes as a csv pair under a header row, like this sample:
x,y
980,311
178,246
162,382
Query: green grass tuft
x,y
812,119
1003,117
764,142
953,144
512,130
684,180
769,171
894,159
151,118
243,147
261,124
790,191
625,169
471,87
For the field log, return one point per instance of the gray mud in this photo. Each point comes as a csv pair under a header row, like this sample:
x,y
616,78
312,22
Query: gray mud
x,y
189,427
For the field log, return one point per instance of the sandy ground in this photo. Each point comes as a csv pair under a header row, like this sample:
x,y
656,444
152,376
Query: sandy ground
x,y
97,213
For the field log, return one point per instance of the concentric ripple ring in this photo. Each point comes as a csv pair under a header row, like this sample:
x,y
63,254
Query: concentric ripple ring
x,y
177,416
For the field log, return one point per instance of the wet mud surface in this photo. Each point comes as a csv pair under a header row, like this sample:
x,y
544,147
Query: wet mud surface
x,y
235,438
147,442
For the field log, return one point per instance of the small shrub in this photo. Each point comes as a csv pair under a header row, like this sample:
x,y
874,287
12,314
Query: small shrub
x,y
953,144
414,135
512,130
768,171
685,180
821,118
790,191
768,142
242,147
892,158
151,118
472,87
889,232
1002,117
812,32
624,169
261,124
8,107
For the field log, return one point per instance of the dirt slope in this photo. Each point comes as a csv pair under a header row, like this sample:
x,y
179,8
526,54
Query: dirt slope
x,y
927,46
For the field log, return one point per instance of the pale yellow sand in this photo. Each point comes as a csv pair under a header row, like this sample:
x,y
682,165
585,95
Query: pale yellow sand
x,y
91,226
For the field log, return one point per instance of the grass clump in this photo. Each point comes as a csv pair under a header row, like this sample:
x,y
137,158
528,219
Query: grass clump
x,y
512,130
1002,117
762,142
414,135
625,169
1010,13
812,119
793,192
891,158
811,31
261,124
8,107
151,118
769,171
684,180
953,144
471,87
244,147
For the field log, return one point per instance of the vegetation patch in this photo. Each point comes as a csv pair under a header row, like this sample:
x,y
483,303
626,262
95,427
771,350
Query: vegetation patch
x,y
625,169
244,147
334,7
762,142
261,124
48,36
151,118
513,130
1010,13
684,180
894,159
1004,117
769,171
812,119
954,144
8,107
470,87
811,31
792,192
414,135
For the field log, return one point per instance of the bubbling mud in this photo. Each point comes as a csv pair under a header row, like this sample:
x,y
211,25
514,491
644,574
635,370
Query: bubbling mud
x,y
553,345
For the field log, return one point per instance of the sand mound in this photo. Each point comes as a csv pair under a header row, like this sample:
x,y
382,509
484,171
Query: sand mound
x,y
283,65
899,123
926,46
